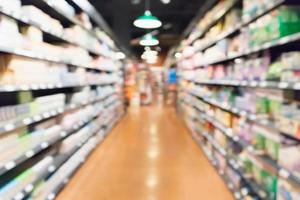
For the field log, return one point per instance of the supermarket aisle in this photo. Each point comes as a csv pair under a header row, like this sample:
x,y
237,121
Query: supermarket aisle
x,y
149,156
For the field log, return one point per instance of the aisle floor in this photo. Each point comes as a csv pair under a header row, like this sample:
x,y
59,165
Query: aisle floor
x,y
150,155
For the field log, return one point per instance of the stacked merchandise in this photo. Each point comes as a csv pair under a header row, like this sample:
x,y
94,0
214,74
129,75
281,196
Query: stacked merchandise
x,y
239,92
61,94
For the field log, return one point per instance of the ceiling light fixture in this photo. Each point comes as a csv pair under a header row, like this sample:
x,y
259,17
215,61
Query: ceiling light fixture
x,y
149,55
152,60
178,55
149,40
147,21
120,55
151,52
165,1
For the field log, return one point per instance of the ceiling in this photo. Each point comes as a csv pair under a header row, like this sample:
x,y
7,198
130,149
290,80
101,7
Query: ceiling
x,y
120,14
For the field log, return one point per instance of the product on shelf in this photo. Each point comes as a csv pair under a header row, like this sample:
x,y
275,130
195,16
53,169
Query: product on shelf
x,y
238,88
30,108
60,85
281,22
32,33
266,142
9,32
287,190
253,8
289,119
85,20
63,7
11,5
19,142
42,19
289,157
234,178
63,172
12,189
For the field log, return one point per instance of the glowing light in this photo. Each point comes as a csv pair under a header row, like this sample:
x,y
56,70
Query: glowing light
x,y
147,21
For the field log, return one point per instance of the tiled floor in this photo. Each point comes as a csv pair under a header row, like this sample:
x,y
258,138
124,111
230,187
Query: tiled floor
x,y
150,155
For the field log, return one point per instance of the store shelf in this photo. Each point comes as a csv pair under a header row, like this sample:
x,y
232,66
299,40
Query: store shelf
x,y
55,192
46,115
44,145
48,7
268,163
245,23
110,102
216,18
58,162
271,6
250,185
268,45
203,103
35,55
253,84
35,87
237,193
220,37
24,19
249,116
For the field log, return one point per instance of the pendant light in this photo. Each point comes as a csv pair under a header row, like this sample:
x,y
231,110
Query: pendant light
x,y
149,40
147,21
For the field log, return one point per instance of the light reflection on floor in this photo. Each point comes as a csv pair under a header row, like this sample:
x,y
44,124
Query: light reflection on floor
x,y
153,152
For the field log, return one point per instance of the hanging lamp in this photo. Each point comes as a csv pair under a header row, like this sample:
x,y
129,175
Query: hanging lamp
x,y
149,40
147,21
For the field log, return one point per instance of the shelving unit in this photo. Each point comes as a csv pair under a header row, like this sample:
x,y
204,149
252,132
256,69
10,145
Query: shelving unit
x,y
54,116
227,97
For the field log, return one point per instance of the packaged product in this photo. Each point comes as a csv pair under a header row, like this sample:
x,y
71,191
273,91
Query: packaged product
x,y
245,132
232,18
11,5
234,177
275,71
289,121
287,191
18,70
64,7
261,66
289,157
290,64
220,138
246,101
269,183
50,102
247,164
266,142
262,105
46,124
35,14
285,21
220,161
9,32
15,186
85,20
32,33
42,19
281,22
8,26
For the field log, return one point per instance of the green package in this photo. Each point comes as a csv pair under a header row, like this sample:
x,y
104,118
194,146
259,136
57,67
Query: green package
x,y
25,97
259,143
272,148
269,183
262,105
